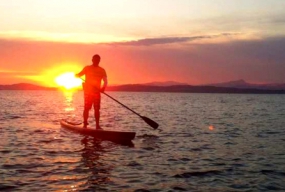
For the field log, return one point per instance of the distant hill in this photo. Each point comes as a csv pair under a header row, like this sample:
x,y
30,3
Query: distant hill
x,y
190,89
24,86
245,85
165,83
228,87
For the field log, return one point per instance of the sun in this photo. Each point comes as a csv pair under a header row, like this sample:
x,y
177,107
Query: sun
x,y
68,80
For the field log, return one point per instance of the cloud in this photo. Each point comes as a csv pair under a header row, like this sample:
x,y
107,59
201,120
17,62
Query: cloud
x,y
168,40
278,20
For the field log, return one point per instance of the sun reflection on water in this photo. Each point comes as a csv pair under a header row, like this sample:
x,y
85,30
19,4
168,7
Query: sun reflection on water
x,y
68,101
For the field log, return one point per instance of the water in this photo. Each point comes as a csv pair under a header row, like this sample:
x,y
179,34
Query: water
x,y
206,142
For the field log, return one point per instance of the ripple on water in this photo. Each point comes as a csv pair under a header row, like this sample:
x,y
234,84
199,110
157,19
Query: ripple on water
x,y
205,142
8,187
198,174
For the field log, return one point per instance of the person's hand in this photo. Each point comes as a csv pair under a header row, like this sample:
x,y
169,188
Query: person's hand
x,y
102,89
76,75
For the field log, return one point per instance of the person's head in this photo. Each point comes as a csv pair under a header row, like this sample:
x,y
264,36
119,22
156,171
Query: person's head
x,y
96,60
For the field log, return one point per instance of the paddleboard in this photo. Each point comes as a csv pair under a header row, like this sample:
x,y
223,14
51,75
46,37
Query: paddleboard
x,y
101,134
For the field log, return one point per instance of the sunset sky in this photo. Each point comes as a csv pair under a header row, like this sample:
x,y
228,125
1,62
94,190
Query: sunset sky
x,y
141,41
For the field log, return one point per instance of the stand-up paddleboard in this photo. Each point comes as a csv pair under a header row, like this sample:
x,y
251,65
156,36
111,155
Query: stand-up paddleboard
x,y
101,134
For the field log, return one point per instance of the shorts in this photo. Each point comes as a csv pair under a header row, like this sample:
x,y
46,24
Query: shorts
x,y
92,99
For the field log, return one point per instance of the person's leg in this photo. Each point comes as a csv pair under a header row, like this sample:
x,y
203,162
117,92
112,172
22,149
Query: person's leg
x,y
85,117
87,107
97,118
97,102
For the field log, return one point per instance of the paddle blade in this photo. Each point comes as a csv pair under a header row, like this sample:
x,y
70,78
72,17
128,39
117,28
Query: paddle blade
x,y
150,122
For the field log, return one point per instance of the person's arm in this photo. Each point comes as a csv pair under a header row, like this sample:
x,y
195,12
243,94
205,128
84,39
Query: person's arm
x,y
105,83
80,73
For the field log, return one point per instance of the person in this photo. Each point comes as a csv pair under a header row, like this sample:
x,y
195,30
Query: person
x,y
92,88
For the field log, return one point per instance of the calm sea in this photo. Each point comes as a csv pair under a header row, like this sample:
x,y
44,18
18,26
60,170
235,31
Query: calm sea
x,y
205,142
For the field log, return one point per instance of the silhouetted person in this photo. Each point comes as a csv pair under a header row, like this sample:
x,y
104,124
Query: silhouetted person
x,y
92,88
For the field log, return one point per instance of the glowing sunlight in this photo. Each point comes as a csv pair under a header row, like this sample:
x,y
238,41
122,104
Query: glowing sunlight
x,y
68,80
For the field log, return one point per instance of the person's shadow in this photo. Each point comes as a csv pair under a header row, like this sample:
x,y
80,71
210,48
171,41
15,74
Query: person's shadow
x,y
91,158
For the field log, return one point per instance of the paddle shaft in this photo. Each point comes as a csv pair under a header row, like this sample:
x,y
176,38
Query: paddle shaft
x,y
150,122
121,104
117,101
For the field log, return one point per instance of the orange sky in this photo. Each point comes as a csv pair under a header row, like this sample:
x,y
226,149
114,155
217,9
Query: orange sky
x,y
202,43
40,62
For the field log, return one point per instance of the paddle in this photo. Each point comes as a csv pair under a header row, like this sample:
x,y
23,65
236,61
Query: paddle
x,y
150,122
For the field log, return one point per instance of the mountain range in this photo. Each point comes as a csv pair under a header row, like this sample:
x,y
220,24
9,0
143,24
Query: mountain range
x,y
245,85
238,86
25,86
230,84
165,83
